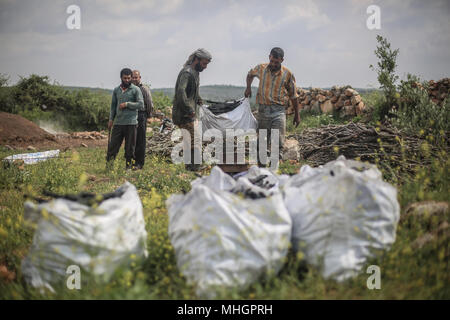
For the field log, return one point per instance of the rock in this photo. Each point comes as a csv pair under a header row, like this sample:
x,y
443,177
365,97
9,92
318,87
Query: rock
x,y
347,103
8,147
339,104
307,100
84,145
315,107
6,275
326,107
31,148
321,98
349,92
359,108
355,100
442,232
423,240
428,213
291,150
334,99
349,110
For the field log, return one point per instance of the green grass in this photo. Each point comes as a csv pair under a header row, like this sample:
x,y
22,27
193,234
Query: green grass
x,y
406,273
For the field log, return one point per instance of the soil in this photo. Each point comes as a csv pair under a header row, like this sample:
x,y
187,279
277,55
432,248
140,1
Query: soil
x,y
19,133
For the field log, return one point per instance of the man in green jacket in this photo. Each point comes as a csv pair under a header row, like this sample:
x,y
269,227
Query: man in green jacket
x,y
126,101
185,103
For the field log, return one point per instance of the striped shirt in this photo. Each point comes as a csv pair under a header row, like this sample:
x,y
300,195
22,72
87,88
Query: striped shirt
x,y
274,88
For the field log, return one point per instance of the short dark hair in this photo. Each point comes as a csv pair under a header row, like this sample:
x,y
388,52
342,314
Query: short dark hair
x,y
277,53
126,72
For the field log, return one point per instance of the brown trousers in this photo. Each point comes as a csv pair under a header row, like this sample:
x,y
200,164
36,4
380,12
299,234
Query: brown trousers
x,y
191,142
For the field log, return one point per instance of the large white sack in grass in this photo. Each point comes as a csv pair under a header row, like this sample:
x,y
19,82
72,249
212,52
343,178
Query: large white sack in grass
x,y
222,240
96,240
239,118
342,213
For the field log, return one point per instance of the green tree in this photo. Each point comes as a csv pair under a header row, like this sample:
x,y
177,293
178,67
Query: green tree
x,y
386,74
4,79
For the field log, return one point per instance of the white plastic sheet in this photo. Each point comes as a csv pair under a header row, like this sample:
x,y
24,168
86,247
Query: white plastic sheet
x,y
239,118
96,240
31,158
342,213
224,240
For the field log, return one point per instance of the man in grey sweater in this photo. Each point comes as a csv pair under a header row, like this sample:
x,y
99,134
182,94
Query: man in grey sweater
x,y
126,101
141,139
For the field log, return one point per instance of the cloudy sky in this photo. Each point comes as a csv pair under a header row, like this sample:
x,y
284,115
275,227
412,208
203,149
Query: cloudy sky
x,y
326,42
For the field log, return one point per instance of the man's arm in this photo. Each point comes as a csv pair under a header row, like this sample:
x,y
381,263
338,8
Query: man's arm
x,y
199,100
250,76
139,104
181,92
149,102
296,113
248,90
292,90
112,112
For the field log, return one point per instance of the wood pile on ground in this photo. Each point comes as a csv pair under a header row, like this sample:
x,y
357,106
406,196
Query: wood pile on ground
x,y
384,144
345,101
438,91
86,135
160,143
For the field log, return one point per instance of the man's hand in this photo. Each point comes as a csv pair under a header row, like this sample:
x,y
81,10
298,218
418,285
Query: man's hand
x,y
296,119
192,115
123,105
110,124
200,102
248,92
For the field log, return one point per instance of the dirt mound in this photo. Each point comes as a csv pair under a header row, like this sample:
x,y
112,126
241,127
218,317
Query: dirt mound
x,y
14,128
18,133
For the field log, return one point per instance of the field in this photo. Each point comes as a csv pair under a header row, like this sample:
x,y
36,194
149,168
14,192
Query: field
x,y
406,271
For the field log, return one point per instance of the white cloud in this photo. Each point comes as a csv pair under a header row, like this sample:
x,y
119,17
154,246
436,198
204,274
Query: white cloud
x,y
307,11
119,7
326,42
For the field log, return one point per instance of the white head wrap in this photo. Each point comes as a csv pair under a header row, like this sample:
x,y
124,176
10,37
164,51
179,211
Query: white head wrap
x,y
199,53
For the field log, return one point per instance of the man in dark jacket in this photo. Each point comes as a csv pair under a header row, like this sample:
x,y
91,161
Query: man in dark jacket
x,y
185,103
142,120
126,101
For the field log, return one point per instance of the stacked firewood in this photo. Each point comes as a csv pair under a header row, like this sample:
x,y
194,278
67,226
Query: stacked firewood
x,y
344,100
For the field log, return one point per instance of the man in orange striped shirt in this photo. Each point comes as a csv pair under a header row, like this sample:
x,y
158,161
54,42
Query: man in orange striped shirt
x,y
276,87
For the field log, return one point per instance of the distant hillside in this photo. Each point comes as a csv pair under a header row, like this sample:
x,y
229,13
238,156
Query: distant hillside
x,y
99,90
216,92
210,92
